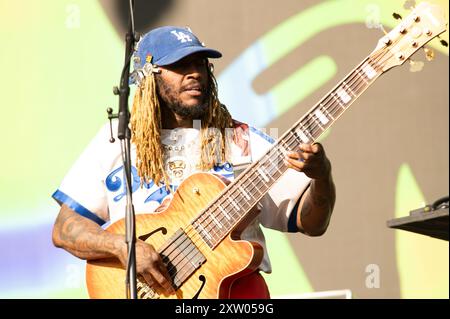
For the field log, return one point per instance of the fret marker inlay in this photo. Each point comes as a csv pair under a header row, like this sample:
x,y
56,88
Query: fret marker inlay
x,y
224,212
322,118
264,176
343,96
204,231
303,136
216,221
231,200
369,71
244,193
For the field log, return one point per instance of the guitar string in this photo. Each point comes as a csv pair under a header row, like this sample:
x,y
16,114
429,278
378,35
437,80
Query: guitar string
x,y
330,100
275,146
382,52
351,84
326,103
289,141
310,123
335,105
312,127
181,265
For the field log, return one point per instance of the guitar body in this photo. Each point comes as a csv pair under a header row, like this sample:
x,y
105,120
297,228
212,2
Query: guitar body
x,y
230,259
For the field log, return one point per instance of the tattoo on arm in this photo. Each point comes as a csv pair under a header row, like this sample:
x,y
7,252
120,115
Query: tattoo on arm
x,y
316,209
82,237
319,200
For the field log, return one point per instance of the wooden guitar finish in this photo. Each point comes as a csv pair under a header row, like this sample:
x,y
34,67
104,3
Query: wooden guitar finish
x,y
229,260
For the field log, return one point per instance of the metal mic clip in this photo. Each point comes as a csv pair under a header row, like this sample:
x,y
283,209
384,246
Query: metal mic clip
x,y
110,117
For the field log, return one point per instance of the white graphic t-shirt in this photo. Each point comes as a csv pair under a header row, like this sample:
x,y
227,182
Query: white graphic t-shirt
x,y
94,187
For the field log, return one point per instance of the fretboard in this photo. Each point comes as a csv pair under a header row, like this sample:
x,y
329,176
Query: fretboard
x,y
215,222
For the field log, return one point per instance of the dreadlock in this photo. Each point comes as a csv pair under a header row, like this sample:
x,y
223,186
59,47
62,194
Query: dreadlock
x,y
146,131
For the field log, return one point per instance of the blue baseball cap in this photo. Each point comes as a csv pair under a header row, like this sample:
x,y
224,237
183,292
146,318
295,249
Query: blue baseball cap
x,y
166,45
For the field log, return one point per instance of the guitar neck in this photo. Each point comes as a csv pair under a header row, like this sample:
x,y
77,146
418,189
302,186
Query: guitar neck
x,y
220,217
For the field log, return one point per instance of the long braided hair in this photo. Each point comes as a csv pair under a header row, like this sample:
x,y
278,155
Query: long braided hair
x,y
146,131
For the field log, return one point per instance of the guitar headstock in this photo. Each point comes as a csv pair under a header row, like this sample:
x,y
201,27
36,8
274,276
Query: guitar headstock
x,y
424,23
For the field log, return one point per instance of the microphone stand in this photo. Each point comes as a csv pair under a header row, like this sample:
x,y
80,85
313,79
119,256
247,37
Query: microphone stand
x,y
124,135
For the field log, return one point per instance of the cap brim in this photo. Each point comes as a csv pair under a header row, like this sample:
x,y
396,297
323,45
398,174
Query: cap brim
x,y
184,52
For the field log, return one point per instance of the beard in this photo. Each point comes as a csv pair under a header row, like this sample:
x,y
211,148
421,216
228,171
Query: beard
x,y
193,112
171,100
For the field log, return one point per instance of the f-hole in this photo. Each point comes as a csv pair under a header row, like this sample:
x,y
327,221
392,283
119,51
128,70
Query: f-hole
x,y
203,280
144,237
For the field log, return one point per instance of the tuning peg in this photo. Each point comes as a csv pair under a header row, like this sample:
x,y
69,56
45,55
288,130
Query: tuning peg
x,y
410,4
415,66
429,54
396,16
443,42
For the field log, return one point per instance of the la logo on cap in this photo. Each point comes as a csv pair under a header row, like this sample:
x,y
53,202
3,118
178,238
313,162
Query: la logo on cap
x,y
182,37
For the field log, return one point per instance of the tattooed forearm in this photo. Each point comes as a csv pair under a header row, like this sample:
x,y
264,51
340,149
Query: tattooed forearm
x,y
84,238
316,207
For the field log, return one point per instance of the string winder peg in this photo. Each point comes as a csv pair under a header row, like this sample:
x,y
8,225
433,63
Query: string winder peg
x,y
396,16
429,53
443,42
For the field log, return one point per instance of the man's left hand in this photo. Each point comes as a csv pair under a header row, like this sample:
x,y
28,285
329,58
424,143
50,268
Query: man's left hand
x,y
311,160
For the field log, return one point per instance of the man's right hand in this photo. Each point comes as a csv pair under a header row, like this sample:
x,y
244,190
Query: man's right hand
x,y
150,266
